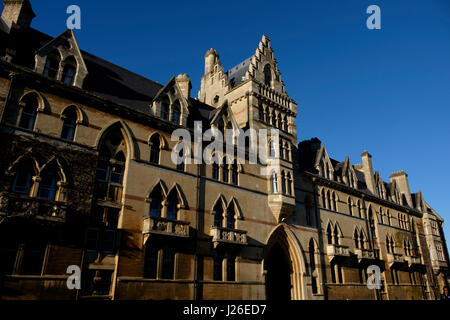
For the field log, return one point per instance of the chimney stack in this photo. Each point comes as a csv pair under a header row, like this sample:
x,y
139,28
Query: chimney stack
x,y
18,13
401,179
184,83
367,169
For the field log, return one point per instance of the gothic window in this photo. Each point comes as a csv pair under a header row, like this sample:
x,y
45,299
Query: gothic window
x,y
312,264
323,197
267,115
356,239
155,148
231,221
329,234
69,71
23,178
218,214
235,173
274,182
172,206
336,235
225,171
267,75
176,112
48,185
261,112
273,152
182,165
350,206
285,124
274,119
289,184
215,171
283,182
29,106
52,65
70,118
156,198
111,166
165,109
280,126
282,155
360,214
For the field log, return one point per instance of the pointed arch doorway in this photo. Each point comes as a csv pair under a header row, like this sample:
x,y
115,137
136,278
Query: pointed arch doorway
x,y
282,266
278,276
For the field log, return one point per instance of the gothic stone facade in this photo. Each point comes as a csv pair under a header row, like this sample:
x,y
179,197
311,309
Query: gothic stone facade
x,y
86,179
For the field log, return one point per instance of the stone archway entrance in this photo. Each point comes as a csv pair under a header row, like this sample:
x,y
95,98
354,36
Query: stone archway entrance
x,y
283,265
278,278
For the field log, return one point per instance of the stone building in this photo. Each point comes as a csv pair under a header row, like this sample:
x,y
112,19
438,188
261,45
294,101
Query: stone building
x,y
86,179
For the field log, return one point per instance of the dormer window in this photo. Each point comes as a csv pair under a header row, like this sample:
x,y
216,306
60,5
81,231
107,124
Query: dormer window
x,y
52,65
70,69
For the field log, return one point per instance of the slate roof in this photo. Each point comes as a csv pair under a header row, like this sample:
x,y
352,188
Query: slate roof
x,y
105,79
236,75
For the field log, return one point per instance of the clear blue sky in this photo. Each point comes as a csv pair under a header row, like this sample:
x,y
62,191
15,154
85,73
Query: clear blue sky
x,y
386,91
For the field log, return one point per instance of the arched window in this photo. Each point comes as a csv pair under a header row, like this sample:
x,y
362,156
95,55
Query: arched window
x,y
165,109
156,198
285,124
70,118
52,65
289,184
176,112
225,171
267,75
272,149
329,234
356,239
118,168
215,171
182,165
235,173
324,200
30,106
360,214
155,148
69,71
280,125
283,182
218,214
282,155
274,119
350,206
329,200
267,115
231,221
389,217
23,178
48,185
172,206
261,112
312,264
336,235
274,182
